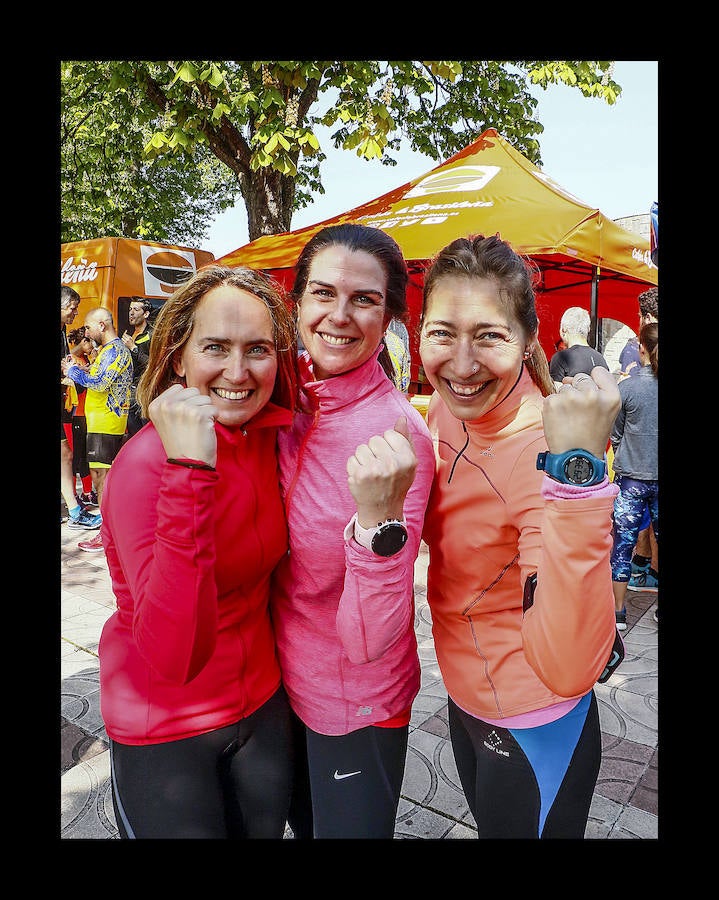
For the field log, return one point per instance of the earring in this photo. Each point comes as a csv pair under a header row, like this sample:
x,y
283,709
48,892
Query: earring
x,y
526,354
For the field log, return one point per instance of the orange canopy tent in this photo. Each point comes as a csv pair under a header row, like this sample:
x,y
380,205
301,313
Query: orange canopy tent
x,y
584,258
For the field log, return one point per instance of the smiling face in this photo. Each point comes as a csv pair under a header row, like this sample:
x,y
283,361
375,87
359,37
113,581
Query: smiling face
x,y
230,355
471,348
342,313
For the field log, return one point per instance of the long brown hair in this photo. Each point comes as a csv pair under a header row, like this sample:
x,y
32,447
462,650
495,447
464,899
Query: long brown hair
x,y
176,320
649,339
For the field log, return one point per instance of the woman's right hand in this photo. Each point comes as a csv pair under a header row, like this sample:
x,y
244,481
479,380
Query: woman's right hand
x,y
185,420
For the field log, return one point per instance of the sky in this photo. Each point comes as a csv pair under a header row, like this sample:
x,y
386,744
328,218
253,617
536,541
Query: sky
x,y
606,156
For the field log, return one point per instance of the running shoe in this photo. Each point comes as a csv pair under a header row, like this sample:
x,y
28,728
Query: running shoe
x,y
85,519
92,546
621,619
90,499
644,581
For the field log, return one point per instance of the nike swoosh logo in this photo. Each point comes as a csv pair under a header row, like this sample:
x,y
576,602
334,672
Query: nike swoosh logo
x,y
338,777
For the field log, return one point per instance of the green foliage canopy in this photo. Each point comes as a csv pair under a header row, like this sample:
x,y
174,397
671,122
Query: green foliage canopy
x,y
156,149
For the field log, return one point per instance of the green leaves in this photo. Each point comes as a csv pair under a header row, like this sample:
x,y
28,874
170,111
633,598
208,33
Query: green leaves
x,y
187,72
157,142
212,75
159,147
370,148
592,77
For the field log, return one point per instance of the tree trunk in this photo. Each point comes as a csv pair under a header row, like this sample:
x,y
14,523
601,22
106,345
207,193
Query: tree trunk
x,y
269,204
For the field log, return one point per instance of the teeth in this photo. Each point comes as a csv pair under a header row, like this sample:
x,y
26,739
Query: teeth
x,y
231,395
466,390
331,339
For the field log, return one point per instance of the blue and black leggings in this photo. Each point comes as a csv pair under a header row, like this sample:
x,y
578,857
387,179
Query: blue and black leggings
x,y
529,782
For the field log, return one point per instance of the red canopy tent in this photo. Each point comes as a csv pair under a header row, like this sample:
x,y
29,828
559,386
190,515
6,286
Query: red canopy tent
x,y
584,258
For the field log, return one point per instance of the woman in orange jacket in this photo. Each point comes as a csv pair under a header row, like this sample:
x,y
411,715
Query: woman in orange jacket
x,y
519,583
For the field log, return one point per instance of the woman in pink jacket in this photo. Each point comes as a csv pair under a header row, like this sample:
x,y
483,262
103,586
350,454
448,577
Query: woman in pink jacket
x,y
193,524
519,582
356,472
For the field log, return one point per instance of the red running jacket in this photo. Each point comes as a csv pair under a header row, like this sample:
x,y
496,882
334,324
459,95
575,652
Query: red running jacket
x,y
190,552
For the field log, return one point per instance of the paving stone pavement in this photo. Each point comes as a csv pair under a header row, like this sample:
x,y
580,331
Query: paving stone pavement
x,y
432,805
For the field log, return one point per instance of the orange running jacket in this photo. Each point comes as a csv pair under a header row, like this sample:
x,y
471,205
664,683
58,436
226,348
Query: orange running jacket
x,y
488,529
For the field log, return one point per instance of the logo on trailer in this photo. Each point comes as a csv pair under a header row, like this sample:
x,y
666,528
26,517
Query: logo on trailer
x,y
165,270
73,272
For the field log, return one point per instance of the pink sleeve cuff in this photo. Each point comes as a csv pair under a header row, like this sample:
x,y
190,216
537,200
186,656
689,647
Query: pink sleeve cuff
x,y
555,490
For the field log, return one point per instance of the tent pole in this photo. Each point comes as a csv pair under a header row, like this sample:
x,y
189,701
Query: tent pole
x,y
595,336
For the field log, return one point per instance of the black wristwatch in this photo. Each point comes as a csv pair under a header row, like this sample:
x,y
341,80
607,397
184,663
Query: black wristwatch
x,y
573,467
389,538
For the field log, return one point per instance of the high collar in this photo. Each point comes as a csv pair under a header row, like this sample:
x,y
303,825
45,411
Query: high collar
x,y
270,416
345,389
506,410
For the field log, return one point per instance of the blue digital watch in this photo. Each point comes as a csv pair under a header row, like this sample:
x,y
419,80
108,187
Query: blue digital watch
x,y
576,466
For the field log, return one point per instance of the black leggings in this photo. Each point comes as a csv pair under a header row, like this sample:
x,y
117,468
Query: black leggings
x,y
232,783
347,786
529,782
80,465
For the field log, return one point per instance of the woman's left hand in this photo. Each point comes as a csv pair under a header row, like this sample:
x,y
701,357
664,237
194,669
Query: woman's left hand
x,y
380,473
582,412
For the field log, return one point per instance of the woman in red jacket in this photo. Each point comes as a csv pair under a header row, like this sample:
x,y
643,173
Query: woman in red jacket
x,y
193,525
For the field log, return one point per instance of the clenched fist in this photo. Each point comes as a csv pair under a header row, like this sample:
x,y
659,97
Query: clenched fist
x,y
185,420
582,412
380,473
